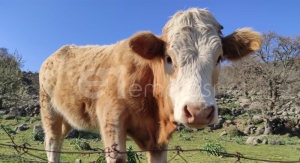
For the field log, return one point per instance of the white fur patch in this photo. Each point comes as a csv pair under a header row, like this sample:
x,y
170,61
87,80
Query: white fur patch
x,y
195,42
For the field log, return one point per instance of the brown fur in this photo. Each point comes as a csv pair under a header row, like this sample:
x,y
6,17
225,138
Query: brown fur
x,y
241,43
143,118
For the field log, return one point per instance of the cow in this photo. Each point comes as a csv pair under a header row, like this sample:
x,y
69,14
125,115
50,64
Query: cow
x,y
141,87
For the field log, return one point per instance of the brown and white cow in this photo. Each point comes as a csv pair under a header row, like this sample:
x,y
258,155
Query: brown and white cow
x,y
142,86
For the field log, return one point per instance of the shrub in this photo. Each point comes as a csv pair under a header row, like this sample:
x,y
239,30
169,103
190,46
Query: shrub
x,y
232,131
185,137
37,136
80,144
215,149
240,140
228,117
132,157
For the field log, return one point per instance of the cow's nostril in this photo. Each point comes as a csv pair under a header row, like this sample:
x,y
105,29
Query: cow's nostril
x,y
186,112
211,114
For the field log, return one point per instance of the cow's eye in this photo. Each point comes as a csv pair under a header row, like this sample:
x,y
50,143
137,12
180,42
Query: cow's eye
x,y
220,58
168,59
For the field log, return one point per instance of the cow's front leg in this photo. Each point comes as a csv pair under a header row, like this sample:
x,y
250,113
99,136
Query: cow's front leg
x,y
159,156
113,134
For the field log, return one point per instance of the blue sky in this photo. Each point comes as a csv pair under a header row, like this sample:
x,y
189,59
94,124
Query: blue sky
x,y
37,28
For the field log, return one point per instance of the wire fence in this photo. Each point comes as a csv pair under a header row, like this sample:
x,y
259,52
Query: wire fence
x,y
25,152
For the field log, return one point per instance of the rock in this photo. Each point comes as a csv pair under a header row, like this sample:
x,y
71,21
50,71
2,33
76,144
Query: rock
x,y
244,100
257,119
85,146
21,127
275,142
8,117
265,141
260,130
38,128
288,135
249,140
223,133
2,112
248,129
284,113
290,113
73,134
253,140
228,121
78,161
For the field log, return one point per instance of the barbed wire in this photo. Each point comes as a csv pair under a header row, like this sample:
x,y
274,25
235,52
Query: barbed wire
x,y
24,149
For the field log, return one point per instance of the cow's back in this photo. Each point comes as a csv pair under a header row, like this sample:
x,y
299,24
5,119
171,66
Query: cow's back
x,y
66,81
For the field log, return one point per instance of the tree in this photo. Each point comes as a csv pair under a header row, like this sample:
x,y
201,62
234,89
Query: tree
x,y
271,75
10,75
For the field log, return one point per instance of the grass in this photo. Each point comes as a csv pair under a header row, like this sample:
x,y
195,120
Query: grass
x,y
290,151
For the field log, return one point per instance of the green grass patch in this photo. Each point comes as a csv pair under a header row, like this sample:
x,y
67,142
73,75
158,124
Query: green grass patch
x,y
289,151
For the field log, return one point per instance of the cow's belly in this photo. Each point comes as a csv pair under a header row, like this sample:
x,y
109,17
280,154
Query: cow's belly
x,y
80,114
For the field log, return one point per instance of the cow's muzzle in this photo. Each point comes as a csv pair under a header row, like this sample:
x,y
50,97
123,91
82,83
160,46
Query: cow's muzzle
x,y
197,116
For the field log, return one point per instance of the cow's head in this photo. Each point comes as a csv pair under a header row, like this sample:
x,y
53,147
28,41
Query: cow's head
x,y
190,51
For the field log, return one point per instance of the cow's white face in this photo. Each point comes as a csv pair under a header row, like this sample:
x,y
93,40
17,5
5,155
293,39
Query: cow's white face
x,y
193,54
191,48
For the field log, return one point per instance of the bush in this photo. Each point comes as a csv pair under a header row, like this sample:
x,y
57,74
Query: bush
x,y
239,140
228,117
185,137
80,144
132,157
215,149
232,131
37,136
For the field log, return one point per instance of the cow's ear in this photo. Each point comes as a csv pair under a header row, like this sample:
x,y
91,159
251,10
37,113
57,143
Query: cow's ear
x,y
241,43
147,45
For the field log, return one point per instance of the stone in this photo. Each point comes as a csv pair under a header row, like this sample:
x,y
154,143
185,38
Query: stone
x,y
21,127
250,139
253,140
265,141
2,112
260,130
73,134
257,119
85,146
8,117
38,128
275,142
284,113
223,133
247,129
228,121
77,160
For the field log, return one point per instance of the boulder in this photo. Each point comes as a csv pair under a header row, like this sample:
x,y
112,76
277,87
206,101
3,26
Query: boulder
x,y
260,130
249,129
265,141
257,119
73,134
38,128
223,133
85,146
8,117
250,139
253,140
21,127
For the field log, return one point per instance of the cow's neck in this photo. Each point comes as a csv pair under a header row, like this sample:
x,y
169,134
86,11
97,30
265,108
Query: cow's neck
x,y
165,108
